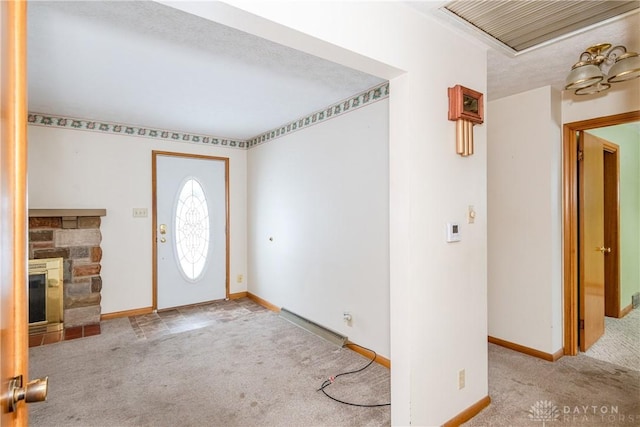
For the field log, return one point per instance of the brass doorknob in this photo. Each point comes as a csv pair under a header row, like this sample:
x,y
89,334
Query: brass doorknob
x,y
35,391
603,249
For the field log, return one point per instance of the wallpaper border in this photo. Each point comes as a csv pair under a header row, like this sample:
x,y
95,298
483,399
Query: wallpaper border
x,y
49,120
360,100
352,103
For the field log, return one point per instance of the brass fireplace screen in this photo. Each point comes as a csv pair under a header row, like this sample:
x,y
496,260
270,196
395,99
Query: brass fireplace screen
x,y
45,295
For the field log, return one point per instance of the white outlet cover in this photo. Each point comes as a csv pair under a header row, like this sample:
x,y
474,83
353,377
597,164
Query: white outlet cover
x,y
453,232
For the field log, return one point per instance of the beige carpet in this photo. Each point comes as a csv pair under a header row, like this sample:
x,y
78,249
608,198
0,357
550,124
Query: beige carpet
x,y
620,343
249,369
574,391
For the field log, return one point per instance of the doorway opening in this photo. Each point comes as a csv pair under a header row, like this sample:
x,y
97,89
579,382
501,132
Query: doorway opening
x,y
571,220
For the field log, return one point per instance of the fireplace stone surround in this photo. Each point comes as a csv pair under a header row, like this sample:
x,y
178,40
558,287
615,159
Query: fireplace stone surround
x,y
73,235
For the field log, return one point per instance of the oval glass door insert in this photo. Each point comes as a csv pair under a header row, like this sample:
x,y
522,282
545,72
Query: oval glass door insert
x,y
192,229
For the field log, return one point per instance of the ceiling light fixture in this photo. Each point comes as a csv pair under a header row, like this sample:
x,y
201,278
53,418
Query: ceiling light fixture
x,y
599,66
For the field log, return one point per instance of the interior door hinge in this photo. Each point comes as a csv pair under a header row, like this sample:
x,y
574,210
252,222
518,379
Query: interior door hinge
x,y
581,324
580,155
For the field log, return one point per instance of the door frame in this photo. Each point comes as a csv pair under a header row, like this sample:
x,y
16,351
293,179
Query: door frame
x,y
570,219
154,215
611,156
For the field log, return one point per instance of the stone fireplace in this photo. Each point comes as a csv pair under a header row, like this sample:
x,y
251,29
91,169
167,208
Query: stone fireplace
x,y
73,235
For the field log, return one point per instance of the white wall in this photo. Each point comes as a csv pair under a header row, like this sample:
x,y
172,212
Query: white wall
x,y
322,194
437,290
525,218
78,169
624,97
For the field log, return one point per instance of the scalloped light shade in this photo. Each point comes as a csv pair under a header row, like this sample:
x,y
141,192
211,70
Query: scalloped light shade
x,y
627,67
583,76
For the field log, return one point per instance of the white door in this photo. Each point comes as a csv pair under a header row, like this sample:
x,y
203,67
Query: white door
x,y
191,223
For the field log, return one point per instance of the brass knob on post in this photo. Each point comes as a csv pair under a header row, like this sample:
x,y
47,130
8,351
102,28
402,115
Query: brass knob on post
x,y
35,391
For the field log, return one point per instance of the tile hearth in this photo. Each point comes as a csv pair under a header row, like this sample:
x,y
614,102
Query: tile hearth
x,y
172,321
50,337
165,322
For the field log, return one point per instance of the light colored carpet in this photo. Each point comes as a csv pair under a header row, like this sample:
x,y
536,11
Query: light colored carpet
x,y
259,370
620,343
600,387
573,391
255,370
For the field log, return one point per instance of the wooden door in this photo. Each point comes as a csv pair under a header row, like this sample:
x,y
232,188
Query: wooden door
x,y
13,209
591,239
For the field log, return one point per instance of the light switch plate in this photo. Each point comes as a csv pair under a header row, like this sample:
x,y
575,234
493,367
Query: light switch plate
x,y
140,212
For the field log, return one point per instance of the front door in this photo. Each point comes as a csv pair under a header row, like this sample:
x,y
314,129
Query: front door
x,y
190,221
591,239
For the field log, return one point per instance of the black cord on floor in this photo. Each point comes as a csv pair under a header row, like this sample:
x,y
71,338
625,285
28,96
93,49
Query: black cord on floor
x,y
331,380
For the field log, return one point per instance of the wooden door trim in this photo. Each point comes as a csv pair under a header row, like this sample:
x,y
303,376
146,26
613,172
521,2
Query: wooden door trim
x,y
612,228
154,215
13,216
570,219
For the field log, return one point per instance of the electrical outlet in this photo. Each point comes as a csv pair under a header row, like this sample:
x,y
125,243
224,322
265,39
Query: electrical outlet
x,y
346,316
140,212
461,379
239,278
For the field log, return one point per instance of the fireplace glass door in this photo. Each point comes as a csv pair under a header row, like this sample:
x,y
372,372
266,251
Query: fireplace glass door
x,y
45,295
37,298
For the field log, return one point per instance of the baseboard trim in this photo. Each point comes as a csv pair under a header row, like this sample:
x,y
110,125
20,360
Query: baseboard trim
x,y
625,311
468,413
527,350
126,313
266,304
369,354
238,295
558,354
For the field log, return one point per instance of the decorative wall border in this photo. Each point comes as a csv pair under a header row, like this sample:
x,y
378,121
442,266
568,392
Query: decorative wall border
x,y
49,120
368,97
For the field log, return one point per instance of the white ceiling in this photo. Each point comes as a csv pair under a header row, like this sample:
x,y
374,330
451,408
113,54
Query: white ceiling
x,y
146,64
